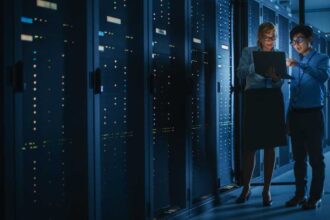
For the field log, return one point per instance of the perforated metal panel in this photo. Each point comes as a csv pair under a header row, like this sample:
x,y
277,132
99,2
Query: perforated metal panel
x,y
326,101
202,173
283,39
268,15
119,40
283,34
253,22
295,54
327,121
168,107
41,160
224,97
316,41
323,45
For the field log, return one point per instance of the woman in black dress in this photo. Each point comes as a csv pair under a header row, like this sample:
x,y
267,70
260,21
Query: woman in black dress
x,y
263,120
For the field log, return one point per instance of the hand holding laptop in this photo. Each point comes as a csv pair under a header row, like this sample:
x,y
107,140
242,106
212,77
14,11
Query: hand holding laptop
x,y
273,75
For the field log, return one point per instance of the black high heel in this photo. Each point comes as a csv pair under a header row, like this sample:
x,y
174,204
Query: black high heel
x,y
243,198
266,201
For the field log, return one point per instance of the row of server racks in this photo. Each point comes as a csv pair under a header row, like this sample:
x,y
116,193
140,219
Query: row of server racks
x,y
125,109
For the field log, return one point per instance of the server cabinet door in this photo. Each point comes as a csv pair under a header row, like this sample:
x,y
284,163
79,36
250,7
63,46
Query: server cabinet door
x,y
316,41
327,113
50,82
119,109
268,15
323,45
167,100
283,42
294,53
254,19
253,22
225,99
202,100
323,49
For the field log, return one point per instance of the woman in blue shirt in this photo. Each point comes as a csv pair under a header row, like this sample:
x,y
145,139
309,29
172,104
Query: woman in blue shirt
x,y
263,120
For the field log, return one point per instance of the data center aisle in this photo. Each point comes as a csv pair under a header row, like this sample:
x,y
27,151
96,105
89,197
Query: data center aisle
x,y
253,209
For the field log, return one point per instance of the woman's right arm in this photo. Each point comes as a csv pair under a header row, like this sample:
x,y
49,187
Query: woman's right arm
x,y
245,67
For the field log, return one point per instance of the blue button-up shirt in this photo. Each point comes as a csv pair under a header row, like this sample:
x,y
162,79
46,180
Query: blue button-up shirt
x,y
308,86
247,72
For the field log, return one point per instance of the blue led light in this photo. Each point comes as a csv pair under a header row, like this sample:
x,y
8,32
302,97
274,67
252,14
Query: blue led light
x,y
101,33
26,20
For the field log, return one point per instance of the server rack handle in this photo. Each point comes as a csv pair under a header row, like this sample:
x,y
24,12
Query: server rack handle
x,y
236,89
18,77
97,81
189,86
152,86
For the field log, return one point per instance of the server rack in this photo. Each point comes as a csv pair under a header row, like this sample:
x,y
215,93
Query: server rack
x,y
327,113
283,42
46,141
120,42
316,39
319,45
323,44
254,19
203,79
268,14
293,53
225,89
284,45
167,101
97,113
6,135
323,50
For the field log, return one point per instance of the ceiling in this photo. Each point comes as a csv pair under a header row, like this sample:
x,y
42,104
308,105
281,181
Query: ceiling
x,y
312,5
317,12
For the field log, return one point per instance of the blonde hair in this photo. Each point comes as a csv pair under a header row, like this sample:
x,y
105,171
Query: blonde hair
x,y
263,29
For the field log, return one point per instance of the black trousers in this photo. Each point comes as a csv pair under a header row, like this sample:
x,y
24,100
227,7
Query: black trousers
x,y
307,131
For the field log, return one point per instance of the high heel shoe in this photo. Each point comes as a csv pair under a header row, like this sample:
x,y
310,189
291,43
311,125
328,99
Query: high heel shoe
x,y
266,201
243,198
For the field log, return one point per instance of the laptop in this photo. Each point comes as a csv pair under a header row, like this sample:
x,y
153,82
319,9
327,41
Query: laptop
x,y
267,62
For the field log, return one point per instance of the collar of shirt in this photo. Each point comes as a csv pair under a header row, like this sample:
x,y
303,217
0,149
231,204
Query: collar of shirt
x,y
309,55
260,49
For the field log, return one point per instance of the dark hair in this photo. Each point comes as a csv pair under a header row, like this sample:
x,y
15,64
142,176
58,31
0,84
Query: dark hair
x,y
305,30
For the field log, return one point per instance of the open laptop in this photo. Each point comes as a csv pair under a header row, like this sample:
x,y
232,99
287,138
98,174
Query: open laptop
x,y
267,62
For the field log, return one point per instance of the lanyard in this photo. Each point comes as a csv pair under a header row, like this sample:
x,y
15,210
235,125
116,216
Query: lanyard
x,y
301,72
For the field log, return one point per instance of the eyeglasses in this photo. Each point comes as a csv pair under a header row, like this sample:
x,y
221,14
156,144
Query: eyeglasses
x,y
298,40
269,38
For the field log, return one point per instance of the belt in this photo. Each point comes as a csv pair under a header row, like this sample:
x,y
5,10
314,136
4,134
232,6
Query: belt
x,y
306,110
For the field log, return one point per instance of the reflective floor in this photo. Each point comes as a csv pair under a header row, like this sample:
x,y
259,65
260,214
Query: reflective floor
x,y
253,208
